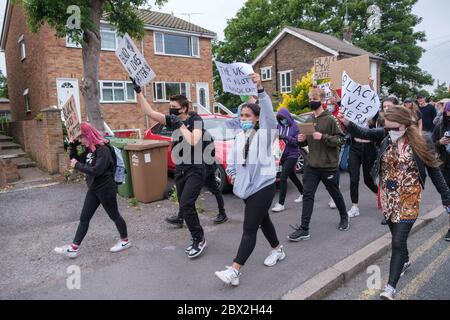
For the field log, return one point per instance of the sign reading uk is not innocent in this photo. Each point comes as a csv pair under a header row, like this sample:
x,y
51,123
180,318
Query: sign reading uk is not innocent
x,y
134,62
236,78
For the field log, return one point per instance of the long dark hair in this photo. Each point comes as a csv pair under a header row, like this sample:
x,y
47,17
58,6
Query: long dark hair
x,y
256,111
420,146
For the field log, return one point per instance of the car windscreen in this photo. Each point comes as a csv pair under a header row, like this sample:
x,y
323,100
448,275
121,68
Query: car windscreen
x,y
218,129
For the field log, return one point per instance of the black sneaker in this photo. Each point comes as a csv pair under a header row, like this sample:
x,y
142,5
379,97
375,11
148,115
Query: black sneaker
x,y
299,234
344,225
176,221
221,218
197,248
383,221
406,267
447,237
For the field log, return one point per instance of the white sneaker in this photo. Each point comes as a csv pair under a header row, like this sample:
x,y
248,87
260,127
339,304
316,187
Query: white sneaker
x,y
278,207
120,246
353,212
388,293
331,204
275,256
299,199
67,250
229,276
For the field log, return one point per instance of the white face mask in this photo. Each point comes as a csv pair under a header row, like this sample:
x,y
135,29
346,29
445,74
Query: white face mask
x,y
395,135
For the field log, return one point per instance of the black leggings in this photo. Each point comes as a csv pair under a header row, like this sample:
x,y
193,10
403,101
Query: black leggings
x,y
400,255
361,154
257,214
288,172
107,197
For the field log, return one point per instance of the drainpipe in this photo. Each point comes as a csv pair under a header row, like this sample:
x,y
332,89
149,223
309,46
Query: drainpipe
x,y
145,87
276,71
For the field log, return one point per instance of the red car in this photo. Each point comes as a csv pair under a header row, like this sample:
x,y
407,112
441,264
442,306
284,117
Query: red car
x,y
215,124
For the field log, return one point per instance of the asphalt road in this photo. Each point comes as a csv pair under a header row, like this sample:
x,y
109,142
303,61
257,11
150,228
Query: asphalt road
x,y
33,222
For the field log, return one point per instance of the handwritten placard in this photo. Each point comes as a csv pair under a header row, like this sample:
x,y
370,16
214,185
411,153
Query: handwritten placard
x,y
322,67
236,78
70,113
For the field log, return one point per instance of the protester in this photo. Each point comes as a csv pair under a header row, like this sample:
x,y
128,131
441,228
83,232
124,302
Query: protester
x,y
409,104
98,163
288,132
428,115
402,162
323,161
189,169
441,139
440,111
251,165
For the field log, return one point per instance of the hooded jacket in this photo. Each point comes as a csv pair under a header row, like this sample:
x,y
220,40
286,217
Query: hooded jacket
x,y
289,134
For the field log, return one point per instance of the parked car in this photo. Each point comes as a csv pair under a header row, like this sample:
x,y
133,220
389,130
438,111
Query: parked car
x,y
223,140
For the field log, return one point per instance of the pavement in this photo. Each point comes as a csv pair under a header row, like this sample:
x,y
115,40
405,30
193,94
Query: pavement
x,y
34,221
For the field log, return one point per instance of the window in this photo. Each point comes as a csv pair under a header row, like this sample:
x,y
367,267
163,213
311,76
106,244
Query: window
x,y
21,43
109,38
116,91
71,43
162,91
26,96
266,73
177,45
285,81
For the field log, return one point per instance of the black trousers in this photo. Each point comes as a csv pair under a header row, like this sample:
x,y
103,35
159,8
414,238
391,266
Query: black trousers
x,y
400,254
311,178
288,171
189,182
446,173
107,197
257,214
361,154
211,184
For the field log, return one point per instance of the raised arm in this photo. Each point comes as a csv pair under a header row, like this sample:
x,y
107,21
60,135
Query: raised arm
x,y
146,107
375,135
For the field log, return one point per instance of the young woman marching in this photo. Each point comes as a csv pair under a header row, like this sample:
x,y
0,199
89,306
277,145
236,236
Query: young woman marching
x,y
251,165
441,139
98,163
402,162
288,132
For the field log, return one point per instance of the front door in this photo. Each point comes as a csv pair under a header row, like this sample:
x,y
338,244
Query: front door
x,y
203,94
65,88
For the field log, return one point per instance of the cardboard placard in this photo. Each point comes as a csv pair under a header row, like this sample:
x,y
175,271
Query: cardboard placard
x,y
306,128
322,67
69,110
134,62
236,78
358,68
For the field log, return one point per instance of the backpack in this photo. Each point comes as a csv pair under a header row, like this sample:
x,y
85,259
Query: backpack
x,y
119,167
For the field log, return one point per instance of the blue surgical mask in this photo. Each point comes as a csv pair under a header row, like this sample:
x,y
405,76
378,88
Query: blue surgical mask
x,y
246,125
284,122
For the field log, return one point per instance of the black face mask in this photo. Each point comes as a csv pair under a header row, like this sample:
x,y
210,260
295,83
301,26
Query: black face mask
x,y
314,105
174,111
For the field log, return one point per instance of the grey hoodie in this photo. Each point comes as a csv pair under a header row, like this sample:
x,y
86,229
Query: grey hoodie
x,y
259,171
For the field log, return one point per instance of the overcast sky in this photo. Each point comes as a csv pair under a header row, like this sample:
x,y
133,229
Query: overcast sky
x,y
214,15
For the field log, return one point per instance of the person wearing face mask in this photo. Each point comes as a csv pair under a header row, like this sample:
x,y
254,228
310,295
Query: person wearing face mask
x,y
403,160
323,161
187,151
288,132
441,139
251,166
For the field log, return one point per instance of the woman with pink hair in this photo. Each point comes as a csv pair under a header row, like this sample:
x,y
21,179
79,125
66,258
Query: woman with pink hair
x,y
99,164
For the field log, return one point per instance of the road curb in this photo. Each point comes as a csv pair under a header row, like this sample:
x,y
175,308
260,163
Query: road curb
x,y
323,283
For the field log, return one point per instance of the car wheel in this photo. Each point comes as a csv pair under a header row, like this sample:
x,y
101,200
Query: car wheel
x,y
221,179
301,161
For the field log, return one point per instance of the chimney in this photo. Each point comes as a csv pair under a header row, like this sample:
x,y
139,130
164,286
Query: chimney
x,y
348,34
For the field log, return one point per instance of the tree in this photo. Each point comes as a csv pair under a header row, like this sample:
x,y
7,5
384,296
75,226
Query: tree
x,y
442,92
3,86
80,20
298,101
259,21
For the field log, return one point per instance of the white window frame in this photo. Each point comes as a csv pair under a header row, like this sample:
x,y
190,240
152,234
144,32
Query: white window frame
x,y
165,99
285,88
112,31
125,91
264,73
22,49
26,96
192,39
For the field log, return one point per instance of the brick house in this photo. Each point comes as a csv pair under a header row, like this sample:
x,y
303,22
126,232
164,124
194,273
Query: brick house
x,y
44,70
291,55
5,107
